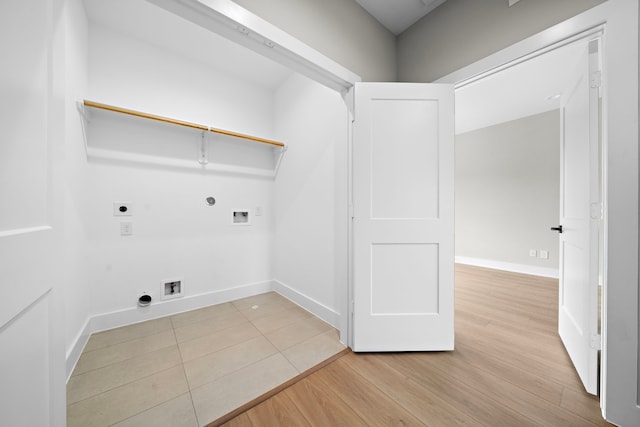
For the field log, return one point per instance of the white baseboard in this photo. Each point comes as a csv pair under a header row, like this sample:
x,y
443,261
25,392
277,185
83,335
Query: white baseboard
x,y
508,266
325,313
115,319
73,355
137,314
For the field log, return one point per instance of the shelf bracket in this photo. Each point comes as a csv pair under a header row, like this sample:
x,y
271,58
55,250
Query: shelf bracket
x,y
280,156
84,120
203,157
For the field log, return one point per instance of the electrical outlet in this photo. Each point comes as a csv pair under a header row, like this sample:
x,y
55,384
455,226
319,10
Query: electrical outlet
x,y
122,209
544,254
533,253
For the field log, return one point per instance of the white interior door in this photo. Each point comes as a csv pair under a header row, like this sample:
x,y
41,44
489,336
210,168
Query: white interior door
x,y
580,216
31,352
403,225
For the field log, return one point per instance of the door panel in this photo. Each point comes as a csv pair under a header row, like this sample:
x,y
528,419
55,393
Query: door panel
x,y
580,190
31,131
418,174
403,217
25,368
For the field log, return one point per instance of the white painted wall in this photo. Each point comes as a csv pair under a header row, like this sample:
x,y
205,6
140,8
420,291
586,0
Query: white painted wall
x,y
310,195
508,192
175,234
340,29
131,73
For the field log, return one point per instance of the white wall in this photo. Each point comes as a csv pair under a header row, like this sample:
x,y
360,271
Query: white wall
x,y
311,195
175,234
508,192
340,29
131,73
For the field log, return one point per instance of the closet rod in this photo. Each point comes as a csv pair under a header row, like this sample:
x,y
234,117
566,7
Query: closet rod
x,y
180,123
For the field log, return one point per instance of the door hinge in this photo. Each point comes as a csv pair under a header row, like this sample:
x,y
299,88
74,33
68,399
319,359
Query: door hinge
x,y
596,210
596,79
596,342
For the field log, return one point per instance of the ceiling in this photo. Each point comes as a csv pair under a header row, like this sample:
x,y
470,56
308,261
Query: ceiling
x,y
398,15
143,20
519,91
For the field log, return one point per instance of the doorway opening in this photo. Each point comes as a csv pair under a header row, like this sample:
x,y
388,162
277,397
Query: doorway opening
x,y
510,184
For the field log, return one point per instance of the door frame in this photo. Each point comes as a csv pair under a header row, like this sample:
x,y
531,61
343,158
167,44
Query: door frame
x,y
595,32
618,397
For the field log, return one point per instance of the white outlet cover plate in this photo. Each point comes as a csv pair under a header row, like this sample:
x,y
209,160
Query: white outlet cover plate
x,y
126,228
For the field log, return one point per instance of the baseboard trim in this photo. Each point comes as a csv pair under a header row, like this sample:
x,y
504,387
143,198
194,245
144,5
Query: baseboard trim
x,y
158,309
129,316
73,355
512,267
320,310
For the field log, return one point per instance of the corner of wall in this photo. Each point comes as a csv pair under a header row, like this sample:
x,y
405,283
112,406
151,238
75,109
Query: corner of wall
x,y
325,313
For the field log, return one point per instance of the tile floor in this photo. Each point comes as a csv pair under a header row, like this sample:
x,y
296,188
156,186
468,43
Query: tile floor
x,y
192,368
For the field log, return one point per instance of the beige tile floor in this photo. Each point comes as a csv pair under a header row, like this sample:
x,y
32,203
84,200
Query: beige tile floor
x,y
192,368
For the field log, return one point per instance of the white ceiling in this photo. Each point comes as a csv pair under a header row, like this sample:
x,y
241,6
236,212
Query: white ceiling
x,y
520,91
398,15
156,26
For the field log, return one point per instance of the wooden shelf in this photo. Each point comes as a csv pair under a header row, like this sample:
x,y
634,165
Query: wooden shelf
x,y
203,163
93,104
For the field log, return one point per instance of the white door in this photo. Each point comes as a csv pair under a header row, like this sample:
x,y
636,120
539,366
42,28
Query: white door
x,y
31,348
580,216
403,226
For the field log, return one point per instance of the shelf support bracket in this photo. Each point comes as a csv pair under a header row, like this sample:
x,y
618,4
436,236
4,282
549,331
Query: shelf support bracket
x,y
280,156
203,156
84,120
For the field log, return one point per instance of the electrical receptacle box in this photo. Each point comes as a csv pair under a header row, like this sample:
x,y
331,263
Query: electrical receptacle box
x,y
171,288
122,209
544,254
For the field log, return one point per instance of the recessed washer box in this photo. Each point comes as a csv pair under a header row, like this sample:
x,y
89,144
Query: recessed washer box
x,y
241,217
171,288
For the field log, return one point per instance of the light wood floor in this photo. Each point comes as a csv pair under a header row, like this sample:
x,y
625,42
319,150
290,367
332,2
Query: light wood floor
x,y
509,369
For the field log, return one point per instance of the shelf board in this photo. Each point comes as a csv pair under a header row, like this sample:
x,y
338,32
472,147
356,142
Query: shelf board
x,y
177,122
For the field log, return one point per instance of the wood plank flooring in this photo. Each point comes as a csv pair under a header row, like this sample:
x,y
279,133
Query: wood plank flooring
x,y
509,369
